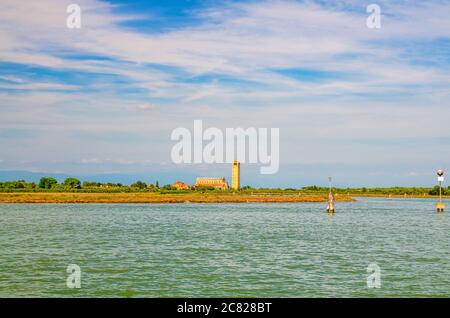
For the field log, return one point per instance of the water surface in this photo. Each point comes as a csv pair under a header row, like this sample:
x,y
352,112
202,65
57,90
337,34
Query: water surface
x,y
225,250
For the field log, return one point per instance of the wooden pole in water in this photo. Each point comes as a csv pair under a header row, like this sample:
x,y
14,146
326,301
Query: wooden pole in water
x,y
330,204
440,207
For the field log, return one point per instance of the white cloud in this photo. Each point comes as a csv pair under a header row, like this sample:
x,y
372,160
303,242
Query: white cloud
x,y
245,40
380,92
13,79
40,86
146,106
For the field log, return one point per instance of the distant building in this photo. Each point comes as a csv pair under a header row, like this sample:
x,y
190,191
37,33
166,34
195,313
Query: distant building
x,y
217,183
236,175
179,185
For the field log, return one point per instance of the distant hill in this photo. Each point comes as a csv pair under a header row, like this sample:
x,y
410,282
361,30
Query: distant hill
x,y
161,177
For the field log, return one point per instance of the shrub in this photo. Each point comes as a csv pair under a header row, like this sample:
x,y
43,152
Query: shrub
x,y
47,183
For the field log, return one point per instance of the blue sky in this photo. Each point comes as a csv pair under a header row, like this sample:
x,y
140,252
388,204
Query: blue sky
x,y
369,106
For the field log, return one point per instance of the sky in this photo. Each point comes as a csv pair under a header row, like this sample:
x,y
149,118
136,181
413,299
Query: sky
x,y
369,107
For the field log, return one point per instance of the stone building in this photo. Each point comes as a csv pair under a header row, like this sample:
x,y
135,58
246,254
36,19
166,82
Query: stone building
x,y
217,183
179,185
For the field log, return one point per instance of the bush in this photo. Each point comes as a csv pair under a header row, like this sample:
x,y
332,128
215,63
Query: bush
x,y
73,183
47,183
139,184
435,191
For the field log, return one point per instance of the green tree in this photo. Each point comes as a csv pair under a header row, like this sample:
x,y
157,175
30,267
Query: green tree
x,y
47,183
435,191
139,185
168,187
21,184
73,183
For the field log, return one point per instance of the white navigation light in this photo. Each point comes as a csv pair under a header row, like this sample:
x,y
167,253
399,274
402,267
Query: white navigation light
x,y
440,173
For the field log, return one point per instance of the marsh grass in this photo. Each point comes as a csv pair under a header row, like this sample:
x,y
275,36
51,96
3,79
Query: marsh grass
x,y
156,197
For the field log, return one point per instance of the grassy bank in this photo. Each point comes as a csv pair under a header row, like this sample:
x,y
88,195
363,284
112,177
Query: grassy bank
x,y
155,197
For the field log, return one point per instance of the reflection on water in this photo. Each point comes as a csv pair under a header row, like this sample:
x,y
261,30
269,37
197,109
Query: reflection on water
x,y
225,250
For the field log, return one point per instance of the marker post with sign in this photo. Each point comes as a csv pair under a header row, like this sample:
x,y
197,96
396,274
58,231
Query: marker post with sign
x,y
440,206
330,203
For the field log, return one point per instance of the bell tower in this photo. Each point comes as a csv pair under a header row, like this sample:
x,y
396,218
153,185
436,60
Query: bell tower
x,y
236,175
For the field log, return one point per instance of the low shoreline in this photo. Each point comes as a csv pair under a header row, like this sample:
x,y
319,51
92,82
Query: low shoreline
x,y
114,198
399,196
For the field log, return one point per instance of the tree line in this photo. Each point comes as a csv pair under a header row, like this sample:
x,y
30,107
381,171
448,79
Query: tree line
x,y
73,185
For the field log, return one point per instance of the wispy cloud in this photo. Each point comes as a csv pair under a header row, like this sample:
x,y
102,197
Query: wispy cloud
x,y
311,67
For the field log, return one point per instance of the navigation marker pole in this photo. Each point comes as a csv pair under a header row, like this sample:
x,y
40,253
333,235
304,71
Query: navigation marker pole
x,y
440,206
330,204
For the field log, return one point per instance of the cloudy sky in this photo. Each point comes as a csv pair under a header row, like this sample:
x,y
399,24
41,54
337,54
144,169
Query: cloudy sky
x,y
368,106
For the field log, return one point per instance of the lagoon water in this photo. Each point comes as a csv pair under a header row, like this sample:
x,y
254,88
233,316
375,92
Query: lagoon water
x,y
226,250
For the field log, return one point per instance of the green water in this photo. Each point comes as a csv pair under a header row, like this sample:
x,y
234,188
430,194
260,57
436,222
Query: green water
x,y
225,250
